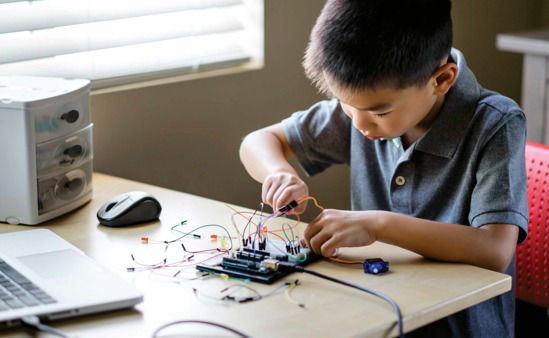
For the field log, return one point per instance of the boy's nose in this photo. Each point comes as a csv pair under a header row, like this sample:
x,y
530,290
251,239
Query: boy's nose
x,y
363,124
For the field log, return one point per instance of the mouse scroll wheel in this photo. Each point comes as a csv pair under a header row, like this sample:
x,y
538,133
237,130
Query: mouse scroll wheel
x,y
109,207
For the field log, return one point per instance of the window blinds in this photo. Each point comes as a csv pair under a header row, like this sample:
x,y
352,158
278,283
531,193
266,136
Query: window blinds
x,y
119,41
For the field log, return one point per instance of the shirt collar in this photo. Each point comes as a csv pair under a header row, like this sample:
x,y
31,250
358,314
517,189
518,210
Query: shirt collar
x,y
459,106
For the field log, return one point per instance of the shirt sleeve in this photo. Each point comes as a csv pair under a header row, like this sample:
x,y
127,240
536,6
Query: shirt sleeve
x,y
500,194
319,136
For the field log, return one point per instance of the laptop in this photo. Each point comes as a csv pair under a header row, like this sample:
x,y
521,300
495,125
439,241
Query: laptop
x,y
44,275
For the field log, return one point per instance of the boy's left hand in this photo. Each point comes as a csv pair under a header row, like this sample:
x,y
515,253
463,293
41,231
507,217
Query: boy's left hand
x,y
334,229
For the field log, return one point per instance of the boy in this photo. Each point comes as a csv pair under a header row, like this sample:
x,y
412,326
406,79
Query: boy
x,y
437,162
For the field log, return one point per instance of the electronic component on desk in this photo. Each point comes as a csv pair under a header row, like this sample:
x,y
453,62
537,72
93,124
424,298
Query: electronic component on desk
x,y
256,265
288,206
375,266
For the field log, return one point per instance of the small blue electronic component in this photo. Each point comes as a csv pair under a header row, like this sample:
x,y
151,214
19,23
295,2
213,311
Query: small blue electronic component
x,y
375,266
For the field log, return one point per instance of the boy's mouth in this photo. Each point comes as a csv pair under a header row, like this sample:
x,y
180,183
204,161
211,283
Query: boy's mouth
x,y
367,135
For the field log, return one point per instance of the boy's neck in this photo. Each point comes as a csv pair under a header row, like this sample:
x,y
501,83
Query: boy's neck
x,y
419,130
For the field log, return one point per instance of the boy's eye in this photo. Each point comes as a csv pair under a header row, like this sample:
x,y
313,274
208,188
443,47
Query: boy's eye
x,y
381,115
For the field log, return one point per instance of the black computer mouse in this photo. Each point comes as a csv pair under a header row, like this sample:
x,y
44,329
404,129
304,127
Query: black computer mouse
x,y
130,208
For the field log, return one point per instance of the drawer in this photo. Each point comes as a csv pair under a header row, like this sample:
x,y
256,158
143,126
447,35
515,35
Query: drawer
x,y
60,189
65,152
55,120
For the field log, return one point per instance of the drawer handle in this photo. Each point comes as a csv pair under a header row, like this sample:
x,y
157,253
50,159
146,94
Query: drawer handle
x,y
71,116
74,151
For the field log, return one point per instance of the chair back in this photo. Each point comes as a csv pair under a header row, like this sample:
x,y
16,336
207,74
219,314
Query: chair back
x,y
532,275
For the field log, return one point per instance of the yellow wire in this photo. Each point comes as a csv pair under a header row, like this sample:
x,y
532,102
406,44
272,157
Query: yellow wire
x,y
314,200
290,298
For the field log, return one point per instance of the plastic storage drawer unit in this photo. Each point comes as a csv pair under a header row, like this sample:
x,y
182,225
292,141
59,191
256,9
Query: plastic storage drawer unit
x,y
45,147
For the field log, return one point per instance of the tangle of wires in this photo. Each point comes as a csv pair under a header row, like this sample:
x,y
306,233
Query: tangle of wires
x,y
231,293
258,232
257,238
189,257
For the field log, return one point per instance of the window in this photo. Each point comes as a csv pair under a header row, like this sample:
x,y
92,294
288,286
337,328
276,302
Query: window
x,y
113,42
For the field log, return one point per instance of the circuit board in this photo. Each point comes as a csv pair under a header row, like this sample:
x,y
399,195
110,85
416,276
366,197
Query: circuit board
x,y
247,262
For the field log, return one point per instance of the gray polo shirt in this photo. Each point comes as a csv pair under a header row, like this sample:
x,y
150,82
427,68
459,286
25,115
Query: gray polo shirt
x,y
467,169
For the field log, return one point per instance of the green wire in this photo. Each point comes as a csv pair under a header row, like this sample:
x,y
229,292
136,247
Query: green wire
x,y
181,232
185,234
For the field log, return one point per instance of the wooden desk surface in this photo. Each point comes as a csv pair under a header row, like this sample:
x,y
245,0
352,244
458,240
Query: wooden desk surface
x,y
425,290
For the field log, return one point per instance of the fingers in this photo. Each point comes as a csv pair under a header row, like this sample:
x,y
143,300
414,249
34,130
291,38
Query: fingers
x,y
268,190
325,243
280,189
329,248
291,193
318,240
334,229
280,196
322,235
265,189
311,230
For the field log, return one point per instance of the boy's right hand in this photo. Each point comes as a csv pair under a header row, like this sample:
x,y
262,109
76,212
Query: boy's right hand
x,y
281,188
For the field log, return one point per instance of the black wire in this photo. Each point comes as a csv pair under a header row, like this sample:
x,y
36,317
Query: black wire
x,y
238,333
370,291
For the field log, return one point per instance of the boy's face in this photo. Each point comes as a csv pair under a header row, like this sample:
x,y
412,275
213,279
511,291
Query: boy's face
x,y
388,112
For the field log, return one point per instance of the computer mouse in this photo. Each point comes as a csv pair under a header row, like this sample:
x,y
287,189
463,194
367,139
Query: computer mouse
x,y
130,208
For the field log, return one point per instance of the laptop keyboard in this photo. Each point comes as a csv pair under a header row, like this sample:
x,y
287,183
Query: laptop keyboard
x,y
16,291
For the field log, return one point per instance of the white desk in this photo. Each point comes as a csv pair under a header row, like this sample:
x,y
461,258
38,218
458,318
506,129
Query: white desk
x,y
425,290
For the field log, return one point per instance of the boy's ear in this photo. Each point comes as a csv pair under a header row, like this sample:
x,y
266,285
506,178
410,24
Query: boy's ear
x,y
445,77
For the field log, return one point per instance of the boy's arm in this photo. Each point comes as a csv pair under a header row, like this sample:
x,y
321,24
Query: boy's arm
x,y
265,155
491,246
266,151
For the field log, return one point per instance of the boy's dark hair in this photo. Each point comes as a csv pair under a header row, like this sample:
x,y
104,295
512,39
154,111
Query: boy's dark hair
x,y
361,44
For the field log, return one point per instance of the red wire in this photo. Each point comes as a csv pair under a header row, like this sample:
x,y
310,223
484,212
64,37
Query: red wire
x,y
241,213
175,264
207,259
270,232
295,225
